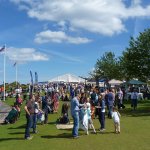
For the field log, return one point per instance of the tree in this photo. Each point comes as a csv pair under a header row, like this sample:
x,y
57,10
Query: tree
x,y
108,67
136,58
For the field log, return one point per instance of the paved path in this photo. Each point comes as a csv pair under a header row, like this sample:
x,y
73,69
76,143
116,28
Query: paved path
x,y
4,110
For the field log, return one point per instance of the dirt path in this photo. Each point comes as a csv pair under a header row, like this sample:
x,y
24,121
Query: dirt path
x,y
4,110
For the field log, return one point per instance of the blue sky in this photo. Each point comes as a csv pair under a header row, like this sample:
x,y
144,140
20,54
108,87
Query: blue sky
x,y
55,37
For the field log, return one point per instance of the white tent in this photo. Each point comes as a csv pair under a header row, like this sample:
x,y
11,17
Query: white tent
x,y
114,82
67,78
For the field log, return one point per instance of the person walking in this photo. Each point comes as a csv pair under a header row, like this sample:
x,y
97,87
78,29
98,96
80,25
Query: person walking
x,y
102,113
110,98
116,119
134,99
119,97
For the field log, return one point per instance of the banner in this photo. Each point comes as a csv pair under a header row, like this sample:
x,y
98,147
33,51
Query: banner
x,y
31,86
31,77
36,78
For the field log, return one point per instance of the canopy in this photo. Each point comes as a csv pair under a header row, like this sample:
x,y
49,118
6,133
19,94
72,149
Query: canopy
x,y
114,82
67,78
135,82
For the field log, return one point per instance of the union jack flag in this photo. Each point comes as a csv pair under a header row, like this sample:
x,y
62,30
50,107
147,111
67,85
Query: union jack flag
x,y
2,49
15,64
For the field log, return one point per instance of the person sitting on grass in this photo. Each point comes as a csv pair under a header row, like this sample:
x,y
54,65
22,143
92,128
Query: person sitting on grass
x,y
12,116
64,119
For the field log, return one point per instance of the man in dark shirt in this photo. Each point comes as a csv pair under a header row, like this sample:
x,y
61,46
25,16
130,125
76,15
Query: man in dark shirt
x,y
109,97
29,109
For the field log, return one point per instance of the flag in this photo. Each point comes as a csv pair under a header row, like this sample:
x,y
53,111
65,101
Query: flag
x,y
36,78
15,64
31,77
2,49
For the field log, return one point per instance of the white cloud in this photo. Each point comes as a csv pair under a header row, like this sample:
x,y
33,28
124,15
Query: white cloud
x,y
97,16
25,54
58,37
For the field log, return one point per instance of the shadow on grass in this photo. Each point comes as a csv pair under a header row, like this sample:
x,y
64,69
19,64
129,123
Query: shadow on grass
x,y
17,133
52,122
10,139
66,129
19,127
63,135
105,132
139,112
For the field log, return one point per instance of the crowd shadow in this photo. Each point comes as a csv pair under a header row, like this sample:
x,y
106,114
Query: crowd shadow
x,y
51,123
10,139
19,127
14,133
139,112
59,136
105,132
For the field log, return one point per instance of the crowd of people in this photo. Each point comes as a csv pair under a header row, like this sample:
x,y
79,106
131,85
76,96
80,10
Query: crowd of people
x,y
85,103
100,101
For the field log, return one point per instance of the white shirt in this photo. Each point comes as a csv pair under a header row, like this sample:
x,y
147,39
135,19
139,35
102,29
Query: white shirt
x,y
115,116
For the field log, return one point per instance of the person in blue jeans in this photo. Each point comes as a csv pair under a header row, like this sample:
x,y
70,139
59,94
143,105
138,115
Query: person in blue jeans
x,y
110,98
30,116
75,114
101,107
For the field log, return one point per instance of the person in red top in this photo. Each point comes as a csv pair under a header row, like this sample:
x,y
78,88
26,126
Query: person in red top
x,y
56,102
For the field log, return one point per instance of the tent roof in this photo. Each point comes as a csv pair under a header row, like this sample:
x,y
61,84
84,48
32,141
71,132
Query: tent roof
x,y
67,78
136,82
116,82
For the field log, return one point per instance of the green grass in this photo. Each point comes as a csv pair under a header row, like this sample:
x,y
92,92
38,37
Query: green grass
x,y
135,135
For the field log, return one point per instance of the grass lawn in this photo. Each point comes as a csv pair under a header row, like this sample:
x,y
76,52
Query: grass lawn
x,y
135,134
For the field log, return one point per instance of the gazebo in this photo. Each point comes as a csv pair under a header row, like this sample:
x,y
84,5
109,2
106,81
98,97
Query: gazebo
x,y
134,82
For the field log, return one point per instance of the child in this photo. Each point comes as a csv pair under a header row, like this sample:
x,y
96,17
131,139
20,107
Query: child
x,y
83,117
116,118
90,122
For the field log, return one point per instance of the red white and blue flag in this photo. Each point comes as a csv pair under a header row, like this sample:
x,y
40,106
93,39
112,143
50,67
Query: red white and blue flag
x,y
31,77
36,78
15,64
2,49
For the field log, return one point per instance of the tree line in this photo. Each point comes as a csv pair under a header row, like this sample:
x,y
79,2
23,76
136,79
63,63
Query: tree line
x,y
133,63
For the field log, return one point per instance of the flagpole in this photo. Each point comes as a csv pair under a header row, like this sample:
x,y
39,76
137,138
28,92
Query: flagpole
x,y
16,74
4,71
